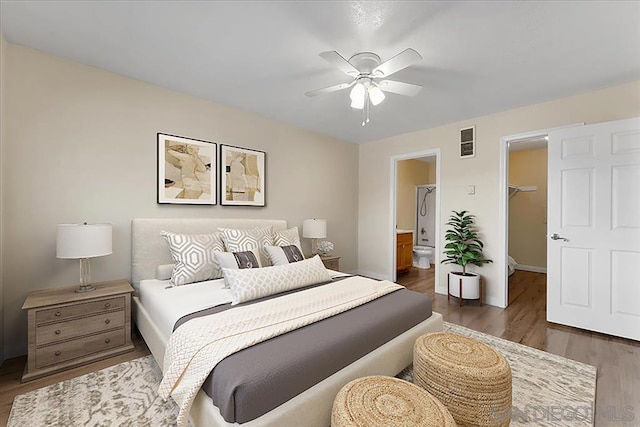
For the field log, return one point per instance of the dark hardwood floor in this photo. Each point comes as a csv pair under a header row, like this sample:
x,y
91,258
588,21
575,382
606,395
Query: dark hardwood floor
x,y
524,322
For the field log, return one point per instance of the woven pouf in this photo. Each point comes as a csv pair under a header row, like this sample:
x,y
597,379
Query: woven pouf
x,y
387,401
470,378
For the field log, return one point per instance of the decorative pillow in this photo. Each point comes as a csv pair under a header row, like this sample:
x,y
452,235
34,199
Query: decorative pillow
x,y
246,259
287,237
254,283
163,272
240,240
193,256
281,255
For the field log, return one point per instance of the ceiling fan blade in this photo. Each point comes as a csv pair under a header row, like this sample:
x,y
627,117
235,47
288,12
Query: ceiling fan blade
x,y
401,88
402,60
337,60
329,89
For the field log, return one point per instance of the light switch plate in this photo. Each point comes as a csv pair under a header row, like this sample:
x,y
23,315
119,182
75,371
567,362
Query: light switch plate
x,y
471,190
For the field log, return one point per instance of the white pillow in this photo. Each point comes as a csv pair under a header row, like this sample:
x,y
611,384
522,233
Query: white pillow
x,y
287,237
246,259
193,256
281,255
163,272
254,283
240,240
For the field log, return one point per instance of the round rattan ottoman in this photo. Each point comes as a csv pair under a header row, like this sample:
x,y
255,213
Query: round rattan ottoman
x,y
470,378
389,402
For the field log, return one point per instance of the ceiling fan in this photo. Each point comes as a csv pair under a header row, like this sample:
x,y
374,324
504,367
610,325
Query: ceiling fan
x,y
369,77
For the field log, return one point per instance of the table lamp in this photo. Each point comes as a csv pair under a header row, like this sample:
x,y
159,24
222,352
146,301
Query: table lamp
x,y
83,241
314,229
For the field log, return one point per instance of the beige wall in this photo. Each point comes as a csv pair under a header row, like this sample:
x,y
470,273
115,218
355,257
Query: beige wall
x,y
410,174
456,174
81,146
3,49
528,210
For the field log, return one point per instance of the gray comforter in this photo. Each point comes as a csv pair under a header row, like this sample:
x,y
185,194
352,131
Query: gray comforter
x,y
255,380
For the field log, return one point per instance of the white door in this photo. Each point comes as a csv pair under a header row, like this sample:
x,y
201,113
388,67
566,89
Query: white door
x,y
593,277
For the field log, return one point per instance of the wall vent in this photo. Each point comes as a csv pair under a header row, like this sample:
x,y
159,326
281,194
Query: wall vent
x,y
468,142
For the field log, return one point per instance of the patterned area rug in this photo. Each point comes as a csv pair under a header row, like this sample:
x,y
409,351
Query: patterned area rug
x,y
548,390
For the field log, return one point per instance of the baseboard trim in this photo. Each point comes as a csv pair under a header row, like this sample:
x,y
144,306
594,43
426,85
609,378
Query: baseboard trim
x,y
532,268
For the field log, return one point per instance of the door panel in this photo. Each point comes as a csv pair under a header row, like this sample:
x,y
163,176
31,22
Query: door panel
x,y
577,197
575,276
593,251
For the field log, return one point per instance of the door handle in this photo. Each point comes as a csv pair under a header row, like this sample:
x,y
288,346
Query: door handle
x,y
556,236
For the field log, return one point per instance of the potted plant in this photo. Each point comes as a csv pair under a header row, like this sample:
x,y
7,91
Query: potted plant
x,y
463,248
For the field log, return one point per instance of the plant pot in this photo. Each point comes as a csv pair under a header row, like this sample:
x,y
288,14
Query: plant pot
x,y
470,285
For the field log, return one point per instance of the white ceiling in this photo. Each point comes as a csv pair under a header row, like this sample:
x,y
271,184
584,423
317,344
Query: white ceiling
x,y
262,56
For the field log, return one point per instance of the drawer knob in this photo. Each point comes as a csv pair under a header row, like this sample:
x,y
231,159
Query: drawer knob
x,y
58,332
108,340
107,321
58,353
58,314
107,305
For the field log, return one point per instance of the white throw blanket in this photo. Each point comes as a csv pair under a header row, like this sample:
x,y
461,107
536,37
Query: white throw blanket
x,y
197,346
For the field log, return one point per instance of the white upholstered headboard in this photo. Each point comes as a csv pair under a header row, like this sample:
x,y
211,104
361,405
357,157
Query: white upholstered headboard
x,y
149,249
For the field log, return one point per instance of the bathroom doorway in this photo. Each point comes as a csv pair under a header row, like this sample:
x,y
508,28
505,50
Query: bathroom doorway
x,y
415,237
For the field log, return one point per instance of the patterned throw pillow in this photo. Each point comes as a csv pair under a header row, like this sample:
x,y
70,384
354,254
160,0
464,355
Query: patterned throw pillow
x,y
287,237
281,255
246,259
240,240
254,283
193,259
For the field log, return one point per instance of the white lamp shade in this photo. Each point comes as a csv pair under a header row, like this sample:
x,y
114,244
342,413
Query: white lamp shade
x,y
357,92
83,240
357,96
375,95
314,228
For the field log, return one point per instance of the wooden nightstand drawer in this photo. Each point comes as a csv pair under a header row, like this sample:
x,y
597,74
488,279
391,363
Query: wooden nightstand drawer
x,y
331,262
57,353
87,308
69,328
54,332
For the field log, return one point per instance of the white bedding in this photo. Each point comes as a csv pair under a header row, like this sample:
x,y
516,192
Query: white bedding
x,y
166,304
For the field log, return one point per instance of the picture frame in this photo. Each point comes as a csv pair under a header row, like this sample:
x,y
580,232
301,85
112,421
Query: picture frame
x,y
186,170
242,176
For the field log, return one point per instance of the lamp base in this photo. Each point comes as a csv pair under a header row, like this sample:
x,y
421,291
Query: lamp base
x,y
85,273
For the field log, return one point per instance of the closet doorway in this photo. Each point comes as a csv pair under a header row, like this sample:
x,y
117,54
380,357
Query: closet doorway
x,y
527,211
415,215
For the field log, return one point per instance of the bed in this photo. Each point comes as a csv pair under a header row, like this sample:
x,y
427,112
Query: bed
x,y
311,406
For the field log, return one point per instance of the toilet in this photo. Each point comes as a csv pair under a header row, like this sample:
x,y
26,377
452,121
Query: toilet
x,y
422,255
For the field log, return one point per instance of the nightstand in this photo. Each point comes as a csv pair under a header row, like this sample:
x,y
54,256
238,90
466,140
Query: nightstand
x,y
331,262
68,329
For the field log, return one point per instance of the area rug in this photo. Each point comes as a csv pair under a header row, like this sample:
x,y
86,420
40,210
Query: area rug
x,y
548,390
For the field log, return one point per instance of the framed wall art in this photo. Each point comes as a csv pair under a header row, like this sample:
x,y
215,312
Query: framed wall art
x,y
186,170
242,176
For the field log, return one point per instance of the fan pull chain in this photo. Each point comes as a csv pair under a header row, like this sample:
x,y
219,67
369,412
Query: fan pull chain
x,y
365,120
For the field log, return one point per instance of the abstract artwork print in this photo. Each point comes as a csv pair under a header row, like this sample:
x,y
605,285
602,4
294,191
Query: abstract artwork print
x,y
242,176
186,170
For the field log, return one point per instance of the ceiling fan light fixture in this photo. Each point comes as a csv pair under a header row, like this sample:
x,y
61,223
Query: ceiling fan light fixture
x,y
357,103
357,96
375,95
357,92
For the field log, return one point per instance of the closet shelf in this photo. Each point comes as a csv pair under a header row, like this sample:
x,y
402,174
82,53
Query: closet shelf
x,y
514,189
